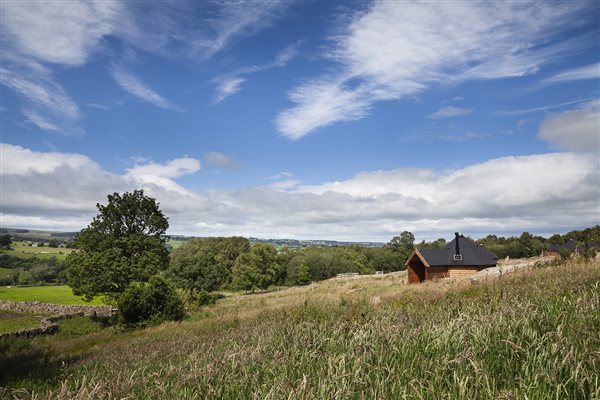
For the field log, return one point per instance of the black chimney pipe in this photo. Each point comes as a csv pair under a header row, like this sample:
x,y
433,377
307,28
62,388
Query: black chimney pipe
x,y
456,242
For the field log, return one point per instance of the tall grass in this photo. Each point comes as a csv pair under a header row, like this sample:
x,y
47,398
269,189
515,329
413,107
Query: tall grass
x,y
533,335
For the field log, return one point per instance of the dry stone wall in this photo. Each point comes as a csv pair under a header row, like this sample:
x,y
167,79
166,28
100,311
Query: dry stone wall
x,y
57,309
48,325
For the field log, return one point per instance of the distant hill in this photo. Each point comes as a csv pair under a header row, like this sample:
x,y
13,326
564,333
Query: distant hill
x,y
36,235
42,235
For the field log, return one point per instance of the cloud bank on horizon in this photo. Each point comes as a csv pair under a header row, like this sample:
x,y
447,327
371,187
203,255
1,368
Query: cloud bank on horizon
x,y
543,191
386,116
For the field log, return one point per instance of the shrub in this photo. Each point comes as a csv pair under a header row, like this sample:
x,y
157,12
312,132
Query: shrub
x,y
150,303
203,298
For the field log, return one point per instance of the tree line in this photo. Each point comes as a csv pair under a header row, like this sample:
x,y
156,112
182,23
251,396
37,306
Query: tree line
x,y
123,256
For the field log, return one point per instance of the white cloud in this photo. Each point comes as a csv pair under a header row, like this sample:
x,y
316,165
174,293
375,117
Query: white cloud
x,y
545,108
577,130
171,169
220,160
285,185
196,30
46,104
38,36
280,175
286,55
18,160
232,83
450,111
57,187
591,71
547,192
228,86
397,49
54,34
139,89
60,33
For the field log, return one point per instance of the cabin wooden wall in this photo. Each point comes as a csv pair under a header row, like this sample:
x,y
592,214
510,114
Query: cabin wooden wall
x,y
412,276
462,271
438,272
417,272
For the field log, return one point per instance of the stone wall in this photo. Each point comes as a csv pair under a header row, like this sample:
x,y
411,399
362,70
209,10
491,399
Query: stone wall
x,y
56,309
48,325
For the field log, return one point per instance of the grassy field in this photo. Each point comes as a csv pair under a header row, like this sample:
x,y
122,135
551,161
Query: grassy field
x,y
20,249
11,321
47,294
531,334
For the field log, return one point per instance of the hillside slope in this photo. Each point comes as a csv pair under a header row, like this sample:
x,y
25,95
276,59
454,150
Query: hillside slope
x,y
532,334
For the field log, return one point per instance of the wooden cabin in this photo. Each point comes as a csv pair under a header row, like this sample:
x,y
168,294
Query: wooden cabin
x,y
460,258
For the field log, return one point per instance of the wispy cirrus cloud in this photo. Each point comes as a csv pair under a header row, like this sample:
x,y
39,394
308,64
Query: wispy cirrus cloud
x,y
231,83
38,37
393,50
45,103
227,87
449,111
134,86
545,107
591,71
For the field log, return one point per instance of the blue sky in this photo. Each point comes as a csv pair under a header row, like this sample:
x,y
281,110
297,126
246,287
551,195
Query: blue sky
x,y
337,120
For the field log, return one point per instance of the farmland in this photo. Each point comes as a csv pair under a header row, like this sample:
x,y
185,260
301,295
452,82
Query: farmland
x,y
531,334
47,294
13,321
23,250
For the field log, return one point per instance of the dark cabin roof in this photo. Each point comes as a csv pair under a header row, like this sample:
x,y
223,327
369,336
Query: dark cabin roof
x,y
571,245
471,254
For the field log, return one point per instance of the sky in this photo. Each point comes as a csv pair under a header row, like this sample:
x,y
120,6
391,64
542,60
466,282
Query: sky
x,y
304,119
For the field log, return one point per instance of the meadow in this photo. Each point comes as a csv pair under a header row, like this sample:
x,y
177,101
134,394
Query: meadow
x,y
22,250
530,334
47,294
11,321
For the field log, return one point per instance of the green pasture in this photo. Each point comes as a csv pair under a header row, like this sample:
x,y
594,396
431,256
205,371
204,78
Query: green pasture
x,y
22,250
11,321
46,294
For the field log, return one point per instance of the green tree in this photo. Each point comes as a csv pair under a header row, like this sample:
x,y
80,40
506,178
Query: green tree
x,y
402,245
303,274
124,243
224,251
255,269
200,271
150,303
5,241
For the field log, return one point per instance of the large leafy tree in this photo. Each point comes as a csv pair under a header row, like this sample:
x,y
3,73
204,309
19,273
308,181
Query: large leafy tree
x,y
256,269
124,243
201,271
402,245
206,263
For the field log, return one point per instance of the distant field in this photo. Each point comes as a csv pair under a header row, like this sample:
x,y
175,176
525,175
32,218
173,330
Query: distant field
x,y
176,243
47,294
21,250
21,246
